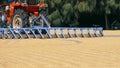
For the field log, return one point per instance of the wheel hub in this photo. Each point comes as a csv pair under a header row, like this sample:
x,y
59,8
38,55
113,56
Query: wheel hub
x,y
17,22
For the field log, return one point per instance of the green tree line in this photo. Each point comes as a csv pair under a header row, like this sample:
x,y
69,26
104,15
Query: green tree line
x,y
68,12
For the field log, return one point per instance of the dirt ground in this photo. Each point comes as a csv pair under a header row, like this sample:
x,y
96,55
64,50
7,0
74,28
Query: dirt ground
x,y
103,52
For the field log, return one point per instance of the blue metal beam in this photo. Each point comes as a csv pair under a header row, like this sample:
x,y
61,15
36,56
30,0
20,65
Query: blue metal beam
x,y
7,32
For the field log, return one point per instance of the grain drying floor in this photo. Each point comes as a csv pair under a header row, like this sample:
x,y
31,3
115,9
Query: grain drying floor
x,y
103,52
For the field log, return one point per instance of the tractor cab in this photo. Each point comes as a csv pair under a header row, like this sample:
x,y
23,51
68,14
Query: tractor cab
x,y
25,13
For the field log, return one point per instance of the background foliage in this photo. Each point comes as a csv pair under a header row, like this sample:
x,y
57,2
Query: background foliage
x,y
82,12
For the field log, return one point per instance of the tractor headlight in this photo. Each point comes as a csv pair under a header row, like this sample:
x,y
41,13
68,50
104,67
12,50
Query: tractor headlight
x,y
7,8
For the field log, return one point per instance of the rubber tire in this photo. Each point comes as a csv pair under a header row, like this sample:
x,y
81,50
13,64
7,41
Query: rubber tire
x,y
23,16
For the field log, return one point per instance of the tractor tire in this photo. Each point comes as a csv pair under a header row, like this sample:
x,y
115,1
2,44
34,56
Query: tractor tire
x,y
42,25
45,14
19,19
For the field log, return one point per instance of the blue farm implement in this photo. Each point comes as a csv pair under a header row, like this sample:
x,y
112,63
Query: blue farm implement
x,y
54,32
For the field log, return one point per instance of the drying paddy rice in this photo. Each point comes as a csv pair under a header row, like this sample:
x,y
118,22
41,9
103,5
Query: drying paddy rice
x,y
101,52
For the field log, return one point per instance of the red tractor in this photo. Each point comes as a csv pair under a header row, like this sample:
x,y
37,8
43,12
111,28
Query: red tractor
x,y
24,13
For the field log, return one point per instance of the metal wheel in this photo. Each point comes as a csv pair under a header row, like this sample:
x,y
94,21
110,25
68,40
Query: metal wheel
x,y
17,22
19,19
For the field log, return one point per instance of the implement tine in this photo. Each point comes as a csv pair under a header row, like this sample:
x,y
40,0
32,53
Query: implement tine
x,y
6,33
12,31
26,33
101,31
48,32
95,33
55,32
8,37
68,30
81,30
18,30
61,30
40,32
2,33
75,33
88,30
33,32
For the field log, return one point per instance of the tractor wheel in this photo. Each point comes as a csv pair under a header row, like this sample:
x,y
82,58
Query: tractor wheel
x,y
19,19
41,24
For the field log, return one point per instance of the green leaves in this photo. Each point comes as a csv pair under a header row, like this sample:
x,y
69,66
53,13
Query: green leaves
x,y
67,8
83,6
55,14
57,22
55,18
107,6
52,4
67,12
3,1
86,6
107,11
57,1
